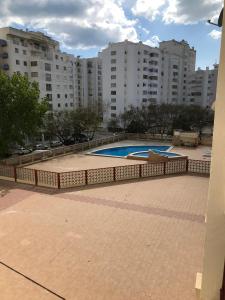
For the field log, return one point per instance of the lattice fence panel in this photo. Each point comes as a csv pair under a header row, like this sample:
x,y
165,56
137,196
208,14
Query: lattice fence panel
x,y
100,175
199,166
152,169
25,175
127,172
72,179
176,166
6,172
46,178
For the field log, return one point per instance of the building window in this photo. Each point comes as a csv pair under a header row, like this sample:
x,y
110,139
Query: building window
x,y
64,68
48,87
113,61
66,96
113,92
59,105
57,67
144,100
33,63
16,50
113,69
25,63
58,96
113,52
24,52
113,107
145,92
175,66
49,97
154,54
113,100
66,104
48,77
17,62
174,86
113,115
113,84
47,67
34,74
56,56
113,76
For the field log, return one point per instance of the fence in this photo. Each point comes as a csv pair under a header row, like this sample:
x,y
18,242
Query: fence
x,y
34,157
103,175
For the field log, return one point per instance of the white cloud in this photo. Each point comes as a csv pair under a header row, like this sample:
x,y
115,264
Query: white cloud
x,y
75,23
153,41
191,11
147,8
178,11
215,34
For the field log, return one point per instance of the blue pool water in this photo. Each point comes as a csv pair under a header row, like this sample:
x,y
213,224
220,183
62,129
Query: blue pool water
x,y
125,150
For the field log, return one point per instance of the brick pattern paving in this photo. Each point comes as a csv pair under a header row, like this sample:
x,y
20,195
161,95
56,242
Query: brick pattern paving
x,y
138,208
133,241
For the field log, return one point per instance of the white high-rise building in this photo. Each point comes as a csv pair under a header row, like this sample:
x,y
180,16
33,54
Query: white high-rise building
x,y
131,76
39,58
88,83
202,87
178,61
124,74
135,74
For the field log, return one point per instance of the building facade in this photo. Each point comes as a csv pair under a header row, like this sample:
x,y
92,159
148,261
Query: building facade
x,y
201,89
88,83
124,74
178,61
131,76
38,57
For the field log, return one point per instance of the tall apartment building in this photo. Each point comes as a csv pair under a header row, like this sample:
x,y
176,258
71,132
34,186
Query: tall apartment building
x,y
124,74
202,87
131,75
178,61
88,83
39,58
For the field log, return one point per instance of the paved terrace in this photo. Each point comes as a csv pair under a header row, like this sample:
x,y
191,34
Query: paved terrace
x,y
82,161
133,241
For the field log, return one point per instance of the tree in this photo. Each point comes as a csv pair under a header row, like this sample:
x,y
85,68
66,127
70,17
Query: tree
x,y
21,112
68,125
165,118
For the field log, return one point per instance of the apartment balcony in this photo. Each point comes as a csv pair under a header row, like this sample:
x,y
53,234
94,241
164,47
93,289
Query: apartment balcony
x,y
5,67
5,55
3,43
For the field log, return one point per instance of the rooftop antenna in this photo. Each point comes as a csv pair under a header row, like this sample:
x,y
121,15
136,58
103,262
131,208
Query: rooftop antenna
x,y
220,20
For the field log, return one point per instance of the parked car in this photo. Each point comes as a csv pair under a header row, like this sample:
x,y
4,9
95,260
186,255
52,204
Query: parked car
x,y
22,151
41,147
69,142
54,144
82,138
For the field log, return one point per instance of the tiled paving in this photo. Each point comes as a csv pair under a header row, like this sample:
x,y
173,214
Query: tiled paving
x,y
81,161
133,241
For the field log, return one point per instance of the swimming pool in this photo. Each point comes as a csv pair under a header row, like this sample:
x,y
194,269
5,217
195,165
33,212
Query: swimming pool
x,y
124,151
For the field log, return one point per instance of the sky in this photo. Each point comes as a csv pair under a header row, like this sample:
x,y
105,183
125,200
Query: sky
x,y
84,27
